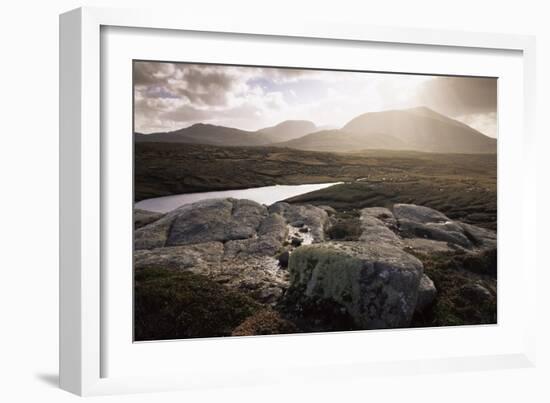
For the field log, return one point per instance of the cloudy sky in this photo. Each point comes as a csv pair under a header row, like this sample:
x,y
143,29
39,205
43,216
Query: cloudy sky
x,y
170,96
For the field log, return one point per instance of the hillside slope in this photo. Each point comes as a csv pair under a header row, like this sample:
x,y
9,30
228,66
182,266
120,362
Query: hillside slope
x,y
417,129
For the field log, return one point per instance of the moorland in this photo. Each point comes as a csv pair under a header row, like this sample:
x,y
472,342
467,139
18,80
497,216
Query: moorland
x,y
406,239
463,186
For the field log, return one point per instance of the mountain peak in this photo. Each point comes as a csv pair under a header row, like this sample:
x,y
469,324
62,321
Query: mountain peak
x,y
423,108
201,126
418,129
288,130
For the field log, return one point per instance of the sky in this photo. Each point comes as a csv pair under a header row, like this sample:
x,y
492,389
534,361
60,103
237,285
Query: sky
x,y
171,96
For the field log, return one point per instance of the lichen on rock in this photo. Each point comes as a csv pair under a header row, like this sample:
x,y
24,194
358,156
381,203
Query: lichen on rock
x,y
373,268
378,285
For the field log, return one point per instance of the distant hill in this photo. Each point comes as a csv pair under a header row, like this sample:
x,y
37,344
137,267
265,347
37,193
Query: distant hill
x,y
208,134
418,129
288,130
201,133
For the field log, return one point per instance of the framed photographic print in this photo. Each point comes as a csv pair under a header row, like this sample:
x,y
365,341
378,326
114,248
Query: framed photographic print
x,y
235,201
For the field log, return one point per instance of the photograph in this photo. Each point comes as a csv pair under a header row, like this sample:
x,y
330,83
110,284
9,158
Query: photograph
x,y
276,200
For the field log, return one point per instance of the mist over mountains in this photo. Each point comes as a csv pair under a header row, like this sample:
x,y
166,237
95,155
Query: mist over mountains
x,y
288,130
416,129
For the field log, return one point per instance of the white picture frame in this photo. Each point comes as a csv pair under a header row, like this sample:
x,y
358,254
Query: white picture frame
x,y
84,340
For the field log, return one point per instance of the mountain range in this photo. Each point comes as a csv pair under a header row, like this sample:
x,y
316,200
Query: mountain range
x,y
202,133
417,129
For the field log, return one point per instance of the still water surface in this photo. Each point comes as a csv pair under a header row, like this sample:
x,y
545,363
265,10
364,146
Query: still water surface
x,y
263,195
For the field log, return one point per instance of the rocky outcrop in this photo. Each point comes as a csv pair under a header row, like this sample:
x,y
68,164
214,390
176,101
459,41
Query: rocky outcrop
x,y
376,284
144,217
422,229
180,257
215,220
259,277
153,235
426,246
423,222
426,293
283,255
418,214
232,242
446,232
480,237
330,210
378,226
315,218
381,213
376,279
218,220
476,293
268,240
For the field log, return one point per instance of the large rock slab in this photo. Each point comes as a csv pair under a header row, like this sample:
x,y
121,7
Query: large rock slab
x,y
215,220
446,232
259,277
144,217
428,246
481,237
426,293
226,220
419,222
154,234
268,241
258,246
315,218
376,284
420,214
381,213
377,226
180,257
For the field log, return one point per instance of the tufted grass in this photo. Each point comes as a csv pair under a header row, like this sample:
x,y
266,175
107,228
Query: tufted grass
x,y
178,305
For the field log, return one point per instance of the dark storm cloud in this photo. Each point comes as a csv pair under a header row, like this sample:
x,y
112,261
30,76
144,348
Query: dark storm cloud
x,y
458,96
199,84
206,86
187,93
146,73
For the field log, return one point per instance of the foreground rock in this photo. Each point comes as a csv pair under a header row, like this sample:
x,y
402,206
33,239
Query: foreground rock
x,y
422,229
144,217
180,257
315,218
377,285
259,277
232,242
426,293
418,214
215,220
267,241
368,276
378,226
